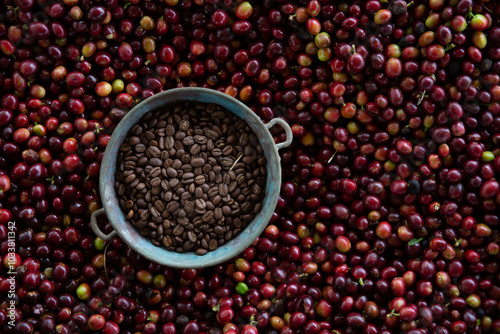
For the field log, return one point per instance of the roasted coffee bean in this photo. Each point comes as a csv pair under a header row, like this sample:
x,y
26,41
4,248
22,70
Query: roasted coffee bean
x,y
189,140
212,244
155,172
154,151
130,178
167,241
197,162
156,162
223,189
170,130
200,179
189,207
192,236
219,230
172,206
201,251
207,216
160,206
188,175
200,203
169,142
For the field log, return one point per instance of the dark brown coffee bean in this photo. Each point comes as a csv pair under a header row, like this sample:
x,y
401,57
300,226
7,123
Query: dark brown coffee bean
x,y
227,150
200,203
216,152
197,162
195,149
187,245
217,199
227,162
171,172
184,125
211,176
218,213
155,182
207,216
188,175
139,148
172,206
189,140
155,172
176,164
170,131
129,165
173,183
211,134
210,145
169,142
134,140
219,230
154,213
154,151
189,207
200,179
155,162
256,189
192,236
200,139
178,230
212,244
198,192
160,206
201,251
232,186
226,210
223,189
125,147
130,178
185,196
167,241
237,223
149,135
213,191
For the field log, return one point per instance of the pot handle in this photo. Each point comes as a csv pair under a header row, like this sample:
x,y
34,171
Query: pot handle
x,y
284,125
96,229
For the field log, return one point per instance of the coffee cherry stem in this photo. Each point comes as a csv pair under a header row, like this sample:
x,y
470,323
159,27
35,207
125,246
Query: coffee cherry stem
x,y
104,262
449,47
470,15
353,49
331,158
421,97
393,314
486,8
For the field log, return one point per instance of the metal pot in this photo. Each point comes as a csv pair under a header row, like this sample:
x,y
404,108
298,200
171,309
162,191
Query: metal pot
x,y
142,245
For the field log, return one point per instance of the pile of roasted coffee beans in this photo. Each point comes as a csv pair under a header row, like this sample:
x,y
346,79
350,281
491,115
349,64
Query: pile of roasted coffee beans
x,y
191,177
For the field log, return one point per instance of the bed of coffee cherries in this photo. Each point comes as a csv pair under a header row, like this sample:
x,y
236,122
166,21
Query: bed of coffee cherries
x,y
389,213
